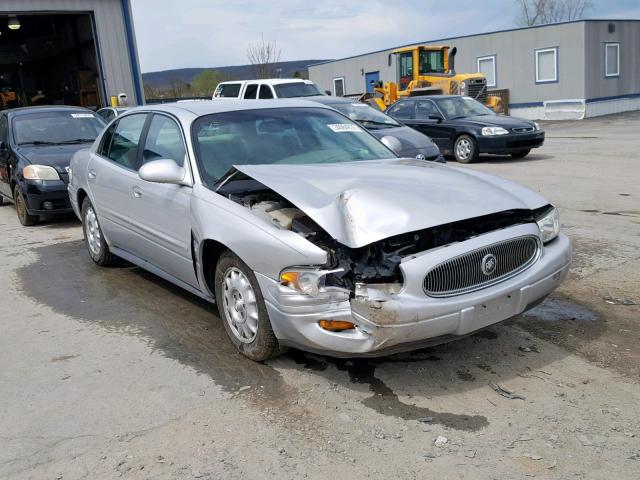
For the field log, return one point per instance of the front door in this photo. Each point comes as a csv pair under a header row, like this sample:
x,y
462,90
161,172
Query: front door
x,y
5,181
370,79
161,211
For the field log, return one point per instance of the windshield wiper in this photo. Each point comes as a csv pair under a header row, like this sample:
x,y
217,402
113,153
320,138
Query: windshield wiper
x,y
38,142
76,140
375,122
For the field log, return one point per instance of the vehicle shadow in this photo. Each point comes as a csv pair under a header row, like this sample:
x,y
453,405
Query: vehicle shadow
x,y
178,325
532,157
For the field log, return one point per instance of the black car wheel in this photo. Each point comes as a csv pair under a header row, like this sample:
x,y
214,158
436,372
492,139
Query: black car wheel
x,y
520,154
21,209
93,238
242,309
465,149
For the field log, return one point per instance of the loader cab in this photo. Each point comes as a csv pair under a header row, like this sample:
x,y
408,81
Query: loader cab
x,y
430,60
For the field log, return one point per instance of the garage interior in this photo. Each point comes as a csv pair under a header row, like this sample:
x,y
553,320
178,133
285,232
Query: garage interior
x,y
48,59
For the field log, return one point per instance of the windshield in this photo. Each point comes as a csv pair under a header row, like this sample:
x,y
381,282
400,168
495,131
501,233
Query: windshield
x,y
461,107
277,136
296,89
368,117
56,127
431,61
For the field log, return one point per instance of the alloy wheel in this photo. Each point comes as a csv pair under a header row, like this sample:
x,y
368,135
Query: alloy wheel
x,y
92,228
463,149
240,305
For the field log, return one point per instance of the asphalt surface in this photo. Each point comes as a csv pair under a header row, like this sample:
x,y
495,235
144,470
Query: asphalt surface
x,y
108,373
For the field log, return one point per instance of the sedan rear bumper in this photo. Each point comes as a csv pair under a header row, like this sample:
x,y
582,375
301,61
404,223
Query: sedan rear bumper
x,y
510,143
410,319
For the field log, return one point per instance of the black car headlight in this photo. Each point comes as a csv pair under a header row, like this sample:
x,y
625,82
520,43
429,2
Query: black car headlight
x,y
549,225
40,172
493,131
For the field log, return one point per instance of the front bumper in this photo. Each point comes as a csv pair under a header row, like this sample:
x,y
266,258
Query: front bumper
x,y
389,322
513,142
46,197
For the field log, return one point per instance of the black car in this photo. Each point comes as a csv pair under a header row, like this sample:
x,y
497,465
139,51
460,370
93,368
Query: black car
x,y
465,128
412,144
36,145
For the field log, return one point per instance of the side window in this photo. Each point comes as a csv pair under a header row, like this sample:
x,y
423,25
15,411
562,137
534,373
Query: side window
x,y
126,136
424,109
106,141
403,110
251,91
265,92
164,140
107,114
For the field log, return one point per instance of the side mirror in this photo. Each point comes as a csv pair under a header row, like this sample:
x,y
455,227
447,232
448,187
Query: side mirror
x,y
328,92
436,116
162,171
392,143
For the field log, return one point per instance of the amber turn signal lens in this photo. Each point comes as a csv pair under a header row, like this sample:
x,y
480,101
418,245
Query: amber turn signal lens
x,y
336,325
289,278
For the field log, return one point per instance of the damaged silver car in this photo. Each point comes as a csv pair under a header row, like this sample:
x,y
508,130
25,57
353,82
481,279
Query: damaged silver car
x,y
308,232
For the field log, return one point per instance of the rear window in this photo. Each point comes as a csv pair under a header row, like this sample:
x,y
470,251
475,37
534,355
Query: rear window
x,y
296,89
228,90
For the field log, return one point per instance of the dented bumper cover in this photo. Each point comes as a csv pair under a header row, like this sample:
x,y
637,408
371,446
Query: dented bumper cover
x,y
389,322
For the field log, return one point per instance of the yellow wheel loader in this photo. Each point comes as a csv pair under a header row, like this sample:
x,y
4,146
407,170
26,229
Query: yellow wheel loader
x,y
430,70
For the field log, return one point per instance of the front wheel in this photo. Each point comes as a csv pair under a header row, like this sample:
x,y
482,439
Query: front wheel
x,y
520,154
242,309
21,209
465,149
93,238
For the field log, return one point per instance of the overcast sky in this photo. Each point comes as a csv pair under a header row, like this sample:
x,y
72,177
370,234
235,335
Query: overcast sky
x,y
214,33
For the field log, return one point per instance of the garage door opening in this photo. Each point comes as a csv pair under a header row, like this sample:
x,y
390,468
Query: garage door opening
x,y
49,59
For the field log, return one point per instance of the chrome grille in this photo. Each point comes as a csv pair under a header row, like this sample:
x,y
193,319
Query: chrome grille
x,y
464,273
523,129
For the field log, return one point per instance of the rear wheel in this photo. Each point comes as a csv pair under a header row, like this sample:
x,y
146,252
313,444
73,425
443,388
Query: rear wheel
x,y
21,209
93,238
520,154
242,309
465,149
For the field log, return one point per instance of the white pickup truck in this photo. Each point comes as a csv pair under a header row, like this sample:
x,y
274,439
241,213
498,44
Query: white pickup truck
x,y
266,88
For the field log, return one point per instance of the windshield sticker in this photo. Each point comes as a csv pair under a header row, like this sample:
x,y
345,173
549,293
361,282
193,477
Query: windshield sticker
x,y
82,115
359,105
344,127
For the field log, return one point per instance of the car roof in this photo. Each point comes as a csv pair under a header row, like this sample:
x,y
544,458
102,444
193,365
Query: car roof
x,y
271,81
435,97
330,100
206,107
46,108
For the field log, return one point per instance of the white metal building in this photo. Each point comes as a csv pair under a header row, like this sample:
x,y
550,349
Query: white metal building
x,y
564,70
80,52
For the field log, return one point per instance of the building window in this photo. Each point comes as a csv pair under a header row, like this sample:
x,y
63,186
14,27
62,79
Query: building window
x,y
547,65
487,67
611,59
338,87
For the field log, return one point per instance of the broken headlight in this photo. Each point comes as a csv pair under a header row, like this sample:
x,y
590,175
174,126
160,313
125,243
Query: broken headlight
x,y
308,281
549,225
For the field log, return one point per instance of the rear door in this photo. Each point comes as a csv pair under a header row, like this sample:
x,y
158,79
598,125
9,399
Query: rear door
x,y
112,174
160,211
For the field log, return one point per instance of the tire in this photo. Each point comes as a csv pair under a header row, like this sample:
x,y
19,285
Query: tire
x,y
93,237
520,154
242,309
21,209
465,149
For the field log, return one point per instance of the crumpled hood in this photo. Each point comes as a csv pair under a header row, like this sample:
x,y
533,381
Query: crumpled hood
x,y
362,202
56,156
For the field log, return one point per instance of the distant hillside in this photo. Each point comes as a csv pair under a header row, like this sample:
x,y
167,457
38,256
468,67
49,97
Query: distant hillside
x,y
239,72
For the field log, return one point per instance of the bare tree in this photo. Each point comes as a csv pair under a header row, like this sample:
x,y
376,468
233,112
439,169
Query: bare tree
x,y
264,57
540,12
177,88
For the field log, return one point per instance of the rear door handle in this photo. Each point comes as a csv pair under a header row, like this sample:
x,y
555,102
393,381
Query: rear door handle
x,y
91,174
137,193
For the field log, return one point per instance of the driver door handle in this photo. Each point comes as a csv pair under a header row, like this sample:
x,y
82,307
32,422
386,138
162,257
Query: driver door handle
x,y
91,174
137,193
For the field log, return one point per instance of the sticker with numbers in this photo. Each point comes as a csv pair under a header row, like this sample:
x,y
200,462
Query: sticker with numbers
x,y
344,127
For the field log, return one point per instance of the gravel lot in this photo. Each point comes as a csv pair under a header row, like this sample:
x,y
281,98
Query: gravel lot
x,y
115,373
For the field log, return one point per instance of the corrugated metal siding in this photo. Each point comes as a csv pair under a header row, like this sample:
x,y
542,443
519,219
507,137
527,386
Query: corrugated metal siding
x,y
515,62
110,30
628,35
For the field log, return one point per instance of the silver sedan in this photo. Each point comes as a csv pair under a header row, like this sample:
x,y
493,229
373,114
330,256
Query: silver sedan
x,y
306,231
